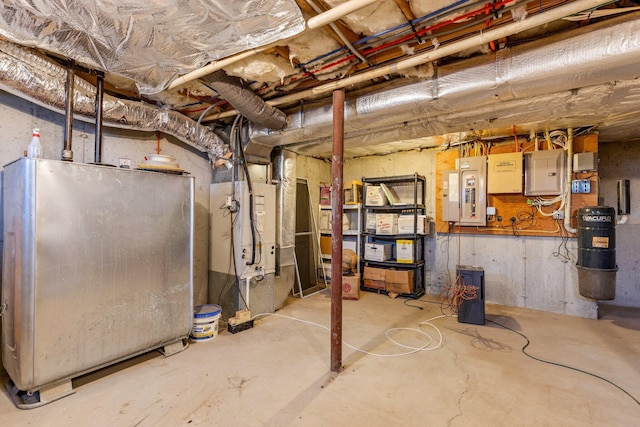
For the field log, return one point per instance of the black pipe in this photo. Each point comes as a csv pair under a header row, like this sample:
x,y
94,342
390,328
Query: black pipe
x,y
67,154
99,99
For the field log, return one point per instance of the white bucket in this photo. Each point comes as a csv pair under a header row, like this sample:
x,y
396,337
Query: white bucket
x,y
205,322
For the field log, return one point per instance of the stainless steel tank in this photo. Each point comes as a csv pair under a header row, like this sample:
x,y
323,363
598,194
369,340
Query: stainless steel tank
x,y
98,267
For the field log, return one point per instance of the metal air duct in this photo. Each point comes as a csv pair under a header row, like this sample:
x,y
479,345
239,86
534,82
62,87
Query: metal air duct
x,y
555,78
245,101
285,177
30,75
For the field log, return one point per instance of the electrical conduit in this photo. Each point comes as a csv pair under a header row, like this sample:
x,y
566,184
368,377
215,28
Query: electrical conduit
x,y
567,204
337,12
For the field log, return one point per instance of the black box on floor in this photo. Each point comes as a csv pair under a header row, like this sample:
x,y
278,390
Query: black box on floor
x,y
472,310
234,329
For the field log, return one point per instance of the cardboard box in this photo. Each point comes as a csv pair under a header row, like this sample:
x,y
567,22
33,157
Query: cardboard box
x,y
387,224
324,219
374,278
353,194
375,196
351,287
370,224
378,251
404,251
399,281
325,245
325,194
405,224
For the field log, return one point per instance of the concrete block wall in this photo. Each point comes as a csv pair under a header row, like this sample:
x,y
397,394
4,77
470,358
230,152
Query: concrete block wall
x,y
20,116
619,161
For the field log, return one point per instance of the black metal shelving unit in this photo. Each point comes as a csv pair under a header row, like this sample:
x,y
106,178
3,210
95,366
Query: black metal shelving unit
x,y
404,195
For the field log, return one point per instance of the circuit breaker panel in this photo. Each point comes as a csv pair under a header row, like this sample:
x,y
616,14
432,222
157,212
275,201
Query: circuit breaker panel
x,y
544,172
464,192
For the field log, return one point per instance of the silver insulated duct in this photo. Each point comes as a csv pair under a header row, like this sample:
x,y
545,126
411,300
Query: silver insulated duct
x,y
284,171
245,101
30,75
557,81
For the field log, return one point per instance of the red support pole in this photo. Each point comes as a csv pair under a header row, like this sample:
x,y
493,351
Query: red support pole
x,y
336,231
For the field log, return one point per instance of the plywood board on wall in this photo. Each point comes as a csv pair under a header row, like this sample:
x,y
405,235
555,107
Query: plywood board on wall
x,y
526,218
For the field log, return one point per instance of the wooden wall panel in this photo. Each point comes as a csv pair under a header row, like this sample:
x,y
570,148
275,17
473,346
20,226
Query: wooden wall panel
x,y
528,220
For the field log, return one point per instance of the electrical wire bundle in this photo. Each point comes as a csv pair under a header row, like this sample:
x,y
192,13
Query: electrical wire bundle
x,y
539,202
427,27
453,296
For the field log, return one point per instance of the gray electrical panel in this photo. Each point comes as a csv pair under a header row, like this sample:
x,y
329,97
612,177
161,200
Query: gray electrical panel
x,y
450,196
464,192
585,162
544,172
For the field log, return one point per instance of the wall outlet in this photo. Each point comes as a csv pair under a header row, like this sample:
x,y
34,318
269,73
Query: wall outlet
x,y
580,186
231,203
558,215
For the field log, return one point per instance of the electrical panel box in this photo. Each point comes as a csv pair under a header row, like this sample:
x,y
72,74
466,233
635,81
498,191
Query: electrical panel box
x,y
464,192
504,173
450,196
585,162
544,172
473,190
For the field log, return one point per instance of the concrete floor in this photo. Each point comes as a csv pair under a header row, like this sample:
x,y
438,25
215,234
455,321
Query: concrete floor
x,y
277,374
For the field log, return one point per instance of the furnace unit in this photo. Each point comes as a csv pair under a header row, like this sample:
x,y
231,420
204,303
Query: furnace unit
x,y
242,257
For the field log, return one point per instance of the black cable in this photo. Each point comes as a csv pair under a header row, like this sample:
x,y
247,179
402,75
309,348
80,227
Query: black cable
x,y
563,251
232,263
419,300
245,167
561,365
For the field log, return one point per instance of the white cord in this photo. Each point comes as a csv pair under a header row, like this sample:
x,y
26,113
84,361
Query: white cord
x,y
539,202
412,349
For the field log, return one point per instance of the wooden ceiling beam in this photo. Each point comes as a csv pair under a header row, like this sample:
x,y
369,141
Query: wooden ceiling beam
x,y
405,7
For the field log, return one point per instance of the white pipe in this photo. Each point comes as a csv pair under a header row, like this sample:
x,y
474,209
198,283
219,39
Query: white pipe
x,y
567,203
337,12
442,51
469,43
339,33
213,67
622,220
246,292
